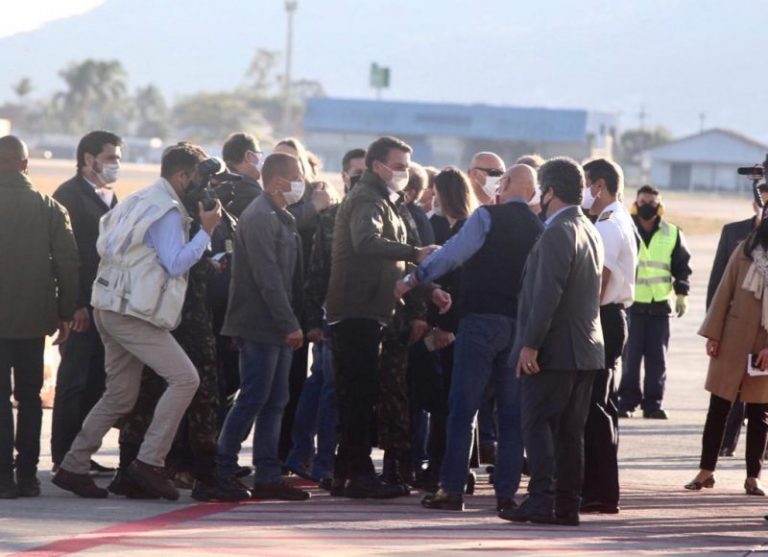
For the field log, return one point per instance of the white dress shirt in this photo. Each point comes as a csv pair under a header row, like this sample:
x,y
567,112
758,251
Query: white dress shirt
x,y
620,241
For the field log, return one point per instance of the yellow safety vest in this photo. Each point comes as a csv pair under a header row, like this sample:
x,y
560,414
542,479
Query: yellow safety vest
x,y
654,271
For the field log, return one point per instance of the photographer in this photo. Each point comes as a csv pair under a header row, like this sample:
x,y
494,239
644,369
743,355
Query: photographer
x,y
137,298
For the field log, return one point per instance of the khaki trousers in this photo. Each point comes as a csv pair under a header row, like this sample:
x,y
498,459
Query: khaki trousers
x,y
129,345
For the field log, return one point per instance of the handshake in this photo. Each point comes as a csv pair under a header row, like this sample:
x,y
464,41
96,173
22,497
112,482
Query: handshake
x,y
439,297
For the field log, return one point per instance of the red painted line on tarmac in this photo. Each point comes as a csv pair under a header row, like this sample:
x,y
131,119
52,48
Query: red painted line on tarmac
x,y
113,534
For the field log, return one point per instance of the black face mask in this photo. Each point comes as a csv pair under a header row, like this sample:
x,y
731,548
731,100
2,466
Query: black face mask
x,y
647,212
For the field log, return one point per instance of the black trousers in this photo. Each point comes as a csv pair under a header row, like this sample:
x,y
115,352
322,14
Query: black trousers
x,y
356,346
733,426
554,410
601,433
79,385
25,358
714,427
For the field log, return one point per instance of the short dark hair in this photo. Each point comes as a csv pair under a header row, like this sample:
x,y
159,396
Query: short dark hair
x,y
455,194
277,164
236,146
609,171
379,149
182,156
93,143
534,160
417,178
565,177
647,188
349,155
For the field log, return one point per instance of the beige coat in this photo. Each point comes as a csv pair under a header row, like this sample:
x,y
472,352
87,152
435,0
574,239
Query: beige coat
x,y
734,320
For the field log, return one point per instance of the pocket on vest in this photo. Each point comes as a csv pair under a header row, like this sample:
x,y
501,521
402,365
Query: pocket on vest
x,y
146,295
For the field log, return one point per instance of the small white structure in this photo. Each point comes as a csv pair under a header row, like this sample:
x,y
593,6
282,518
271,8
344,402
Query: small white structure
x,y
706,161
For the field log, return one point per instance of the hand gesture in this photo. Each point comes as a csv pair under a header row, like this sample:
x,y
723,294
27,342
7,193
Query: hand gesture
x,y
81,321
209,219
442,300
295,339
526,362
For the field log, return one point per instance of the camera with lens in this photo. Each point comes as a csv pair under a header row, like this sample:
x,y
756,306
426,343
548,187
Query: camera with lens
x,y
208,171
757,174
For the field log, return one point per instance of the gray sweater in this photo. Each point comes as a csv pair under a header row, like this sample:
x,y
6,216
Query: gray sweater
x,y
266,267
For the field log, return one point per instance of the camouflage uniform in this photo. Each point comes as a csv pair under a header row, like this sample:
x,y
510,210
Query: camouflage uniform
x,y
394,405
200,426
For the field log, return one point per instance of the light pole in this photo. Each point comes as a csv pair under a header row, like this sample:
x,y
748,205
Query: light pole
x,y
290,8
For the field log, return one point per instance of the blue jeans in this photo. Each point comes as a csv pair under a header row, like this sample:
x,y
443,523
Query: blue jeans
x,y
647,341
481,354
316,414
263,395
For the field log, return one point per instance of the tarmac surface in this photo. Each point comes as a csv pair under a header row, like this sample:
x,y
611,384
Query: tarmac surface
x,y
658,517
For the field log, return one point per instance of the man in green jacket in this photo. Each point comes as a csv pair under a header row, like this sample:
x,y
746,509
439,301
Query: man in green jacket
x,y
38,290
368,257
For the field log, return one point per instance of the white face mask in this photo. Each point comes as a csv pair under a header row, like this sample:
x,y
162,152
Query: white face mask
x,y
399,180
296,193
536,199
109,173
588,200
491,186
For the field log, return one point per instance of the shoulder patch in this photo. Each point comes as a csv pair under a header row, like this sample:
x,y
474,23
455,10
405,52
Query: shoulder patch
x,y
605,216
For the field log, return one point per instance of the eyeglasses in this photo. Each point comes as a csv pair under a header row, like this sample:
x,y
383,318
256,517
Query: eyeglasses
x,y
493,172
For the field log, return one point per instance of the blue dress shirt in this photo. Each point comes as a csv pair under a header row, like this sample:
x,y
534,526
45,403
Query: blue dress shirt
x,y
166,237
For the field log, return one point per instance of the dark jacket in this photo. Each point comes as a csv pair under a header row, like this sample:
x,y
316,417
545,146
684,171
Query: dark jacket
x,y
369,254
559,305
732,234
85,208
319,271
426,234
451,283
39,282
680,268
266,275
236,196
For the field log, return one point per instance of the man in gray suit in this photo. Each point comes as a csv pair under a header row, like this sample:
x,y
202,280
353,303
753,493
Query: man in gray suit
x,y
559,347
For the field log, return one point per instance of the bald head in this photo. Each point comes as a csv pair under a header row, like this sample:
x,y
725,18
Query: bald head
x,y
13,154
519,181
485,168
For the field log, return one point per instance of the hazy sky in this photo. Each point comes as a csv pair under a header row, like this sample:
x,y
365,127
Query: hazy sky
x,y
676,58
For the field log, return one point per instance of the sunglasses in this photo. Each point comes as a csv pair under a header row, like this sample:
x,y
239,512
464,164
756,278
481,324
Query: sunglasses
x,y
493,172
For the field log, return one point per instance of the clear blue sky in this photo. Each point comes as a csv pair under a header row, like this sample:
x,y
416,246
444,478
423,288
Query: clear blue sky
x,y
677,58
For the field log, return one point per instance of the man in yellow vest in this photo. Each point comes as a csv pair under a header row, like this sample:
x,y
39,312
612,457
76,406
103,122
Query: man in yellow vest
x,y
662,274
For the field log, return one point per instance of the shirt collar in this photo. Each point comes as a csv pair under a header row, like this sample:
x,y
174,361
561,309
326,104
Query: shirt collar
x,y
553,216
612,208
515,200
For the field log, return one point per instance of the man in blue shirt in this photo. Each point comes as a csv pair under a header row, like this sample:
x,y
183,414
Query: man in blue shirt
x,y
492,246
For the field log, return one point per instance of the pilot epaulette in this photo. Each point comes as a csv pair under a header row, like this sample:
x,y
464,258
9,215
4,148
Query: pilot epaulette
x,y
605,216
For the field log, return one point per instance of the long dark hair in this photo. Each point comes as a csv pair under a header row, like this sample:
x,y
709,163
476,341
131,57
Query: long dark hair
x,y
758,237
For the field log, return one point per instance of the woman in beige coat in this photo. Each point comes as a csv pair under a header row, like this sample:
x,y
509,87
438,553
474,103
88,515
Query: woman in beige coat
x,y
735,328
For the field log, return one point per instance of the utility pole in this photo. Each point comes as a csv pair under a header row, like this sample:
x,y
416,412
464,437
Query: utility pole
x,y
290,9
642,116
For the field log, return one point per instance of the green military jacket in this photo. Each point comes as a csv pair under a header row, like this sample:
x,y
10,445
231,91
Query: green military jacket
x,y
39,280
369,254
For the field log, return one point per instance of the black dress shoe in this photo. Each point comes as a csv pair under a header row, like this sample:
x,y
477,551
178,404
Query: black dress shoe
x,y
153,479
279,490
626,414
337,487
567,519
504,503
659,414
598,507
524,514
221,491
123,484
243,472
79,484
371,487
29,486
443,501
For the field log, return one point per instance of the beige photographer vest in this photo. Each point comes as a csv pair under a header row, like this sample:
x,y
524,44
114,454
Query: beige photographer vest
x,y
131,280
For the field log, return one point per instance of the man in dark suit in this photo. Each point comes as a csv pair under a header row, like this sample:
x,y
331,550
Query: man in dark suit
x,y
80,379
558,347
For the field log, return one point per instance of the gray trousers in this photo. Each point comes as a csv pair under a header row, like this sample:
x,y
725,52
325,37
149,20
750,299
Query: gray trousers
x,y
129,345
555,405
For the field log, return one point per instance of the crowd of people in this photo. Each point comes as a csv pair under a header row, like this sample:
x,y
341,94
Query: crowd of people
x,y
454,319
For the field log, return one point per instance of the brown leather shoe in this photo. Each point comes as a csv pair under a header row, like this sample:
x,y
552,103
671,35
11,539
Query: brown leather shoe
x,y
79,484
153,479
